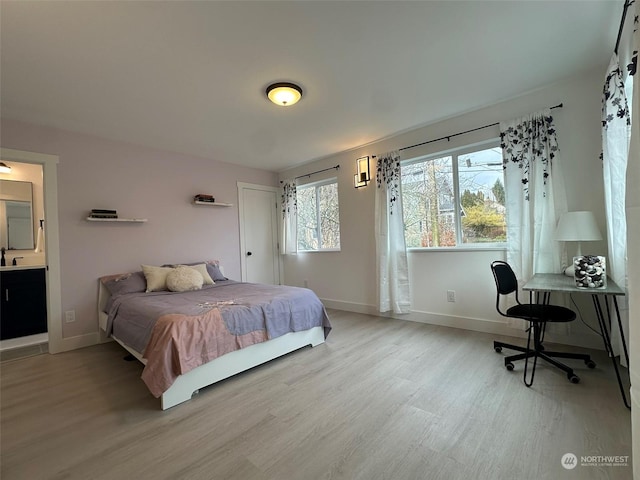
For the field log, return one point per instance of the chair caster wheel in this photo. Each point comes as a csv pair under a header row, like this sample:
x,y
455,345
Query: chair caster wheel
x,y
509,366
497,349
590,364
573,378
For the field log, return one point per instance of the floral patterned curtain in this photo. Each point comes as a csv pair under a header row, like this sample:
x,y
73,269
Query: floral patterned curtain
x,y
391,251
534,191
289,237
616,137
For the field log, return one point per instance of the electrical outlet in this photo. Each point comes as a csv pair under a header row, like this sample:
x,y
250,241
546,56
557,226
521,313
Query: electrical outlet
x,y
70,316
451,296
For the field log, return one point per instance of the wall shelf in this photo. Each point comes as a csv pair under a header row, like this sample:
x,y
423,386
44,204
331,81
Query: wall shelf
x,y
213,204
127,220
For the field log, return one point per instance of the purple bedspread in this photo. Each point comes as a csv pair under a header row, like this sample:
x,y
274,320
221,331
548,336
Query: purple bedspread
x,y
245,308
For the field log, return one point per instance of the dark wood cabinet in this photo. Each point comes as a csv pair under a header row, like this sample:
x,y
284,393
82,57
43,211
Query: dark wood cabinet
x,y
23,306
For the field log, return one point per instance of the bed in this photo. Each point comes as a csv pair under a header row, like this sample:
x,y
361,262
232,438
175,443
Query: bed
x,y
191,339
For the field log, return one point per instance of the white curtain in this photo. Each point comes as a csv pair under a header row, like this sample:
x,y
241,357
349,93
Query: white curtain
x,y
633,251
289,237
534,191
616,134
391,251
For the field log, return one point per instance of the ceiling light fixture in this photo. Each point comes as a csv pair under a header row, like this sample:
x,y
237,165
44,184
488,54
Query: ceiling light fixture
x,y
4,168
284,94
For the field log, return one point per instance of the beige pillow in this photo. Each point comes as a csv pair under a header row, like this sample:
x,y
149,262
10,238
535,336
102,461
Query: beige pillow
x,y
184,279
202,269
156,277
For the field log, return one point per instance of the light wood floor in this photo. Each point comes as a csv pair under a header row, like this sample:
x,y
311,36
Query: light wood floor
x,y
382,399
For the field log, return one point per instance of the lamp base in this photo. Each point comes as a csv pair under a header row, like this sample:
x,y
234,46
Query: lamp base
x,y
570,271
591,271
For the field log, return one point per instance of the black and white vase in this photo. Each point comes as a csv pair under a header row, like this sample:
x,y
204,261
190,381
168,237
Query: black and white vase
x,y
590,271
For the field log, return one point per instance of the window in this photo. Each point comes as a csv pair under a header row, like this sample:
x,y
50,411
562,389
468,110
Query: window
x,y
318,216
455,199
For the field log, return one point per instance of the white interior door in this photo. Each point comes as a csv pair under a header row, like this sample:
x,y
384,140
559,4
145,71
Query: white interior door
x,y
258,233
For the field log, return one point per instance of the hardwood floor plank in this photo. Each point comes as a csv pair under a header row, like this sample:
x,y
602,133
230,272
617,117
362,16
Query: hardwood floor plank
x,y
382,399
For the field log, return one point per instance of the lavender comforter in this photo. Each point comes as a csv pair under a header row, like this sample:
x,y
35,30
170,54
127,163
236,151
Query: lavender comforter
x,y
176,332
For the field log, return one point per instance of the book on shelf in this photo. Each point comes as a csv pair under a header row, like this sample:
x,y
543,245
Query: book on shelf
x,y
204,198
102,215
101,211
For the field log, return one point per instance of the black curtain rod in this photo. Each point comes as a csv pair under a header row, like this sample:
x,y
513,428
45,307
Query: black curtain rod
x,y
627,4
313,173
448,137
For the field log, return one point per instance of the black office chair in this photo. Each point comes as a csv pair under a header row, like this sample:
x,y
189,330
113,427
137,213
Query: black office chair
x,y
538,315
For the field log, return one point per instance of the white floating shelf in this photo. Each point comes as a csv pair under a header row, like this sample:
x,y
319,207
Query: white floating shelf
x,y
213,204
128,220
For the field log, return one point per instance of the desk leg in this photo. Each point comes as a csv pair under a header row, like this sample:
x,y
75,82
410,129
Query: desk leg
x,y
607,342
624,342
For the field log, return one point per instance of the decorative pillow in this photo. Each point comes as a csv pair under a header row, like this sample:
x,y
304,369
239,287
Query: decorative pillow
x,y
156,277
124,283
213,270
184,279
200,267
213,267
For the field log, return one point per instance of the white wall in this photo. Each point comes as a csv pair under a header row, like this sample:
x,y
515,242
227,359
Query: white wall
x,y
346,279
137,182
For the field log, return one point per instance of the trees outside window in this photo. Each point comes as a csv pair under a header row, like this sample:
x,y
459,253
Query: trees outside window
x,y
455,199
318,216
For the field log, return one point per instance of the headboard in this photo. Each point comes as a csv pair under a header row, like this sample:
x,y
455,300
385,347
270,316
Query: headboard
x,y
103,298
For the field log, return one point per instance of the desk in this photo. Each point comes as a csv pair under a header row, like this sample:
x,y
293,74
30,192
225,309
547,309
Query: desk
x,y
547,283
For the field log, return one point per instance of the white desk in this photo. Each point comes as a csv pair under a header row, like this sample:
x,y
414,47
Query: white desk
x,y
546,283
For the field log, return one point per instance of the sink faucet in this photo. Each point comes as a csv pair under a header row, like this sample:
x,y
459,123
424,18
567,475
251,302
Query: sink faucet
x,y
15,260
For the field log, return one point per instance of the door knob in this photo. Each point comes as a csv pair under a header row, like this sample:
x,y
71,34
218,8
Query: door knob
x,y
249,254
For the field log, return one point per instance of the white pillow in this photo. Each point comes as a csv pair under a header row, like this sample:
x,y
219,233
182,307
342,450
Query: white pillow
x,y
156,277
184,279
202,268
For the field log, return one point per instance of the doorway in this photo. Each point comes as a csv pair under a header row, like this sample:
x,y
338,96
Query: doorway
x,y
45,209
23,302
257,208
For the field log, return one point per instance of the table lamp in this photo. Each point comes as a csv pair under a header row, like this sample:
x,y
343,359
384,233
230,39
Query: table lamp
x,y
577,227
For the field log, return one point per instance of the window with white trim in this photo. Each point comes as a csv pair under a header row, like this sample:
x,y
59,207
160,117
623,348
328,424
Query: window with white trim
x,y
455,198
318,216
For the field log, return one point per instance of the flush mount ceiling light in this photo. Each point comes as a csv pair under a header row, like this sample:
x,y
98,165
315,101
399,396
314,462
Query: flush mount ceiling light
x,y
284,94
4,168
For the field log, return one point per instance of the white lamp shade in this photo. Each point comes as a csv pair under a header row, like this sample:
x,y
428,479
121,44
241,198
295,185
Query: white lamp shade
x,y
578,227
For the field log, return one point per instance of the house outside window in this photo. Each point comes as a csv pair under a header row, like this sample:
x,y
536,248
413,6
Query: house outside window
x,y
318,216
455,198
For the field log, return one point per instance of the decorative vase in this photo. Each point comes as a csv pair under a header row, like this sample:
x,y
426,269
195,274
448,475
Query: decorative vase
x,y
590,271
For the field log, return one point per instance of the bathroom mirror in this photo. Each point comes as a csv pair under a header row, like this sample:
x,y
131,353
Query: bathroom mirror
x,y
16,215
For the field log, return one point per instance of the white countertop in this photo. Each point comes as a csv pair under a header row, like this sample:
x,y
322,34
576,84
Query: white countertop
x,y
20,267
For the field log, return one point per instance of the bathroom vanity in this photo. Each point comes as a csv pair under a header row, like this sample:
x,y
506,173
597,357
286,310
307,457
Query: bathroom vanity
x,y
23,306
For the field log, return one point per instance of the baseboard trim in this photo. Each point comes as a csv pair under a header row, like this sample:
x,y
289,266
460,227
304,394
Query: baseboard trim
x,y
78,341
494,327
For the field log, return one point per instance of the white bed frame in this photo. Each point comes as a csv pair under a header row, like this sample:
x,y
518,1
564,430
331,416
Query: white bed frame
x,y
222,367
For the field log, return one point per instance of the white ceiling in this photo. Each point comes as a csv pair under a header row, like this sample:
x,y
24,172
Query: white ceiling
x,y
190,76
